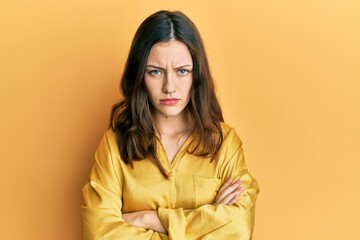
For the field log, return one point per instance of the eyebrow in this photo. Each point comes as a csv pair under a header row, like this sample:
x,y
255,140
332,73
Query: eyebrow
x,y
177,68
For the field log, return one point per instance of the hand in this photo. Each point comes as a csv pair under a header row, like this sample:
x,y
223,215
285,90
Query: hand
x,y
229,192
134,218
145,219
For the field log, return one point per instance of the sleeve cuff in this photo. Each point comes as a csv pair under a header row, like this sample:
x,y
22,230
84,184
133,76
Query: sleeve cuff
x,y
174,222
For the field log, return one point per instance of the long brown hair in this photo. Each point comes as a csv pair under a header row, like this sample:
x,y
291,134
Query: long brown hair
x,y
131,118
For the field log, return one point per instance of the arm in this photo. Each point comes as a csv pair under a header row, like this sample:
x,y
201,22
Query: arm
x,y
102,217
145,219
228,194
218,221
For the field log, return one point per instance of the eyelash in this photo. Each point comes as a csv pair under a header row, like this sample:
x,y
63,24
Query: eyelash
x,y
186,71
156,72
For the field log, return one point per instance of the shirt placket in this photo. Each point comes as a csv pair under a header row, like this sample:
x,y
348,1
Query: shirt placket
x,y
171,168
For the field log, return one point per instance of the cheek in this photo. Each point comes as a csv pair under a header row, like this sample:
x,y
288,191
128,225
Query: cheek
x,y
187,86
149,88
151,92
152,85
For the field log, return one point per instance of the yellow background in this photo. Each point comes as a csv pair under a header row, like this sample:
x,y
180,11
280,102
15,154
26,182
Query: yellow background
x,y
288,76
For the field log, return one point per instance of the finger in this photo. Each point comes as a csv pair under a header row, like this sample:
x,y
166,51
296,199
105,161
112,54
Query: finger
x,y
233,200
227,199
225,185
230,187
222,189
236,198
228,190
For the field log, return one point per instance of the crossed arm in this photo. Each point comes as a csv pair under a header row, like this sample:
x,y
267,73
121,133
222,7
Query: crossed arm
x,y
231,213
228,194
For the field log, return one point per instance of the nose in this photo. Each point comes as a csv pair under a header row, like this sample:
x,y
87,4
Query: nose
x,y
169,83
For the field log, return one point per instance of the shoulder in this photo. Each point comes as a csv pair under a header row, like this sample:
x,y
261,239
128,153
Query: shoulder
x,y
107,154
108,142
110,135
231,143
230,135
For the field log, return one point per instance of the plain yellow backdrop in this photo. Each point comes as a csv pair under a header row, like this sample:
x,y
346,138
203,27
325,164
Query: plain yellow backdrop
x,y
288,77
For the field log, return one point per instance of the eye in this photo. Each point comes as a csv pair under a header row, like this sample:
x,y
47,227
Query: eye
x,y
154,72
183,71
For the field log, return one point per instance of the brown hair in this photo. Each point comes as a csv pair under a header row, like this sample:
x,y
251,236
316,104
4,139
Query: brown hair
x,y
131,118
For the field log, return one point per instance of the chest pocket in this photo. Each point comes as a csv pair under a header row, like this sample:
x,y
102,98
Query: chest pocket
x,y
205,190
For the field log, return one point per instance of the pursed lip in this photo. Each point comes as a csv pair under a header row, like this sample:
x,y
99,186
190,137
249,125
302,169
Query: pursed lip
x,y
169,101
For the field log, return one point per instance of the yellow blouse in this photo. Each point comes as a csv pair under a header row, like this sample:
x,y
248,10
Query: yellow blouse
x,y
184,201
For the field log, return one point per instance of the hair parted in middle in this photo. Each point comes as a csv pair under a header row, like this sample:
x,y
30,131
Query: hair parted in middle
x,y
131,118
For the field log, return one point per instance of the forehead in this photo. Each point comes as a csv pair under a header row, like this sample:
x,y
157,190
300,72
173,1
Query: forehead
x,y
173,52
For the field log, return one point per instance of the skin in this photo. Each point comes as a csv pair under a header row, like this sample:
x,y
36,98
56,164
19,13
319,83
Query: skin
x,y
169,76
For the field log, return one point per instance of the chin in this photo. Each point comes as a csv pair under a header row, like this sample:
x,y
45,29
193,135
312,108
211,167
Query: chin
x,y
171,113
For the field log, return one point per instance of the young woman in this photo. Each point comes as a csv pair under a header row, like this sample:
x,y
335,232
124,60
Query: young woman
x,y
169,167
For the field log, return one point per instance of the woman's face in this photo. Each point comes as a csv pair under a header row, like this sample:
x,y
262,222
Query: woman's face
x,y
168,78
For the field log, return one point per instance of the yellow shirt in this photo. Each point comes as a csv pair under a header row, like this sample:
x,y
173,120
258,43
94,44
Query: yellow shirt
x,y
184,201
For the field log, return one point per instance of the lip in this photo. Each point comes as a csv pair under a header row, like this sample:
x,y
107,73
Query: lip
x,y
169,101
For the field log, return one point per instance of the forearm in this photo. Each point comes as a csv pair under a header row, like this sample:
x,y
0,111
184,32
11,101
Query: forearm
x,y
145,219
100,223
214,221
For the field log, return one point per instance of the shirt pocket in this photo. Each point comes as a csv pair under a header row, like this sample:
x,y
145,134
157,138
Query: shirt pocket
x,y
205,190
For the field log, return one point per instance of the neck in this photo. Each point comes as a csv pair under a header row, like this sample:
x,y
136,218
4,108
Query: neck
x,y
171,126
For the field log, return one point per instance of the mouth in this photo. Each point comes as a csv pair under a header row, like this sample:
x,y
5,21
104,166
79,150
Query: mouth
x,y
169,101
